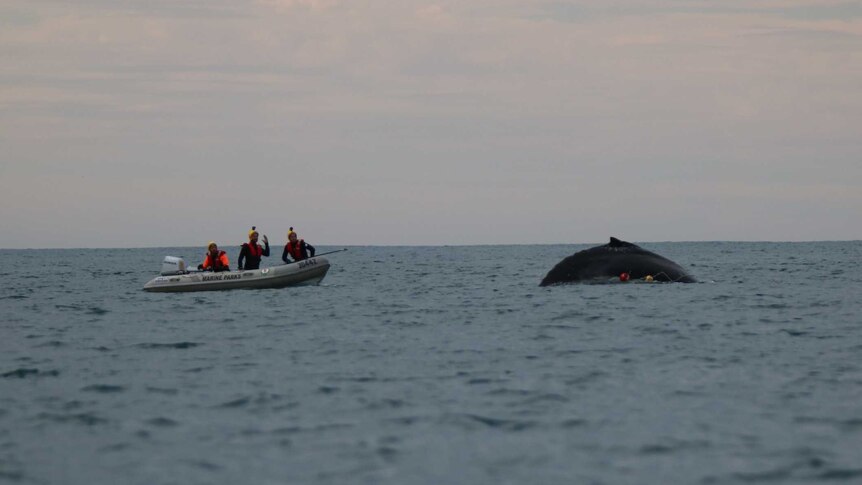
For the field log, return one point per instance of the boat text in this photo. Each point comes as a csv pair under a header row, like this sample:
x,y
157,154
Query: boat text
x,y
222,277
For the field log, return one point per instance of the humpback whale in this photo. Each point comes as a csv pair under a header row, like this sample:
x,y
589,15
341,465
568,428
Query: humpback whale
x,y
616,259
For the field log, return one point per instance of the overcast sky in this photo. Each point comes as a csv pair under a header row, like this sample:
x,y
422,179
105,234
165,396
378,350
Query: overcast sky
x,y
166,123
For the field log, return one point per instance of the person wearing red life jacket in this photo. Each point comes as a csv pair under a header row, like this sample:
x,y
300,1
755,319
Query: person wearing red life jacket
x,y
215,260
296,248
251,252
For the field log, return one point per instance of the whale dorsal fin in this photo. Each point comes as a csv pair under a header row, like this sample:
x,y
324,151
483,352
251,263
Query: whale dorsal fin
x,y
616,243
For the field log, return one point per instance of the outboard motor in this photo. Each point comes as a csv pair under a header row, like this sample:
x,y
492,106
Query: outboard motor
x,y
173,265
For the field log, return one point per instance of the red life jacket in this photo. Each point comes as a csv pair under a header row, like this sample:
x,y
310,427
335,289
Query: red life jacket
x,y
254,250
218,264
295,250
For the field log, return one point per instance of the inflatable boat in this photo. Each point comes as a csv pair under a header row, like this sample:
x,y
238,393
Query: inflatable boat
x,y
176,277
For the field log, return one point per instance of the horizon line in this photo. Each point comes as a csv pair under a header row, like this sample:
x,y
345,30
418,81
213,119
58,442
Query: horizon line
x,y
752,241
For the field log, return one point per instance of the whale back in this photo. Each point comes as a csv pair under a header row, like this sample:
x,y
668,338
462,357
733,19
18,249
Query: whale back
x,y
600,263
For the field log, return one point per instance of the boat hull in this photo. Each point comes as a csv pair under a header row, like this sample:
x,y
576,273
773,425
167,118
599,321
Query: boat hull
x,y
307,272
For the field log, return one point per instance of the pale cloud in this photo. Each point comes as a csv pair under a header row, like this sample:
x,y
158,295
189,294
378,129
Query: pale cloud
x,y
631,40
380,110
429,11
308,4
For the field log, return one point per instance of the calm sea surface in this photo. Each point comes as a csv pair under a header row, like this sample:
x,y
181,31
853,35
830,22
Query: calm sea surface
x,y
435,365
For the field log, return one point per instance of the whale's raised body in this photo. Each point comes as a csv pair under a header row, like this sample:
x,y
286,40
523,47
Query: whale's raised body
x,y
601,263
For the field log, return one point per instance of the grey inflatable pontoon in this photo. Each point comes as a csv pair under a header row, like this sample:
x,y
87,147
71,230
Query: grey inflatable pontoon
x,y
175,277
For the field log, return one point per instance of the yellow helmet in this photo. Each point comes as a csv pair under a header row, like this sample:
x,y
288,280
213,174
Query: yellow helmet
x,y
252,231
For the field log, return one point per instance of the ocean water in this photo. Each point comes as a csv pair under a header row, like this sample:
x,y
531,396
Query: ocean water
x,y
435,365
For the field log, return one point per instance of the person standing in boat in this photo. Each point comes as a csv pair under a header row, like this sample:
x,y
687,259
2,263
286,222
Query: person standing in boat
x,y
251,252
296,248
215,260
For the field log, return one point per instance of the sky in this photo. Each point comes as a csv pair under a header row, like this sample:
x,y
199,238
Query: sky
x,y
165,123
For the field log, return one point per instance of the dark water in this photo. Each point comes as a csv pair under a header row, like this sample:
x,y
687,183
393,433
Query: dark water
x,y
430,365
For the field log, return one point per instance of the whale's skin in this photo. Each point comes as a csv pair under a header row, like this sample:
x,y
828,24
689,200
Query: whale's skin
x,y
601,263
